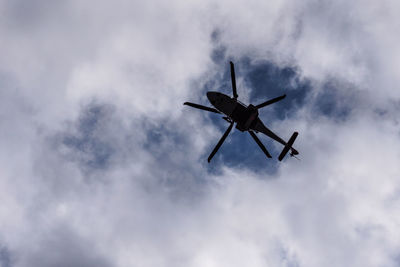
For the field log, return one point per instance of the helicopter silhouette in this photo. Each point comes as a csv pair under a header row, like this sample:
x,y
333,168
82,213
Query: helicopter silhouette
x,y
245,117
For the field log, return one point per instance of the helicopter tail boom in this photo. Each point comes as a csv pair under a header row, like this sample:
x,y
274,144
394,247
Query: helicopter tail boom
x,y
289,146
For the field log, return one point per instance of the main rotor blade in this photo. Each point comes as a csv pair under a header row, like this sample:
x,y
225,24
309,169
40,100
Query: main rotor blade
x,y
220,142
271,101
260,144
235,95
202,107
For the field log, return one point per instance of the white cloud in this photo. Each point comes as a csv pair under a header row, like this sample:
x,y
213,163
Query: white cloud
x,y
156,203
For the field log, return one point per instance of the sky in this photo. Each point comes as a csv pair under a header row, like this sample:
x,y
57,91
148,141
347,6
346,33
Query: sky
x,y
102,165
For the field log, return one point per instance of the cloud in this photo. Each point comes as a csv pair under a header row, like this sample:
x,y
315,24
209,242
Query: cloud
x,y
5,258
103,165
62,247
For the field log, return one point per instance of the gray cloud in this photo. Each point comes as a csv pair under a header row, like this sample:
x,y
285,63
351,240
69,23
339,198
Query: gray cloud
x,y
5,257
63,247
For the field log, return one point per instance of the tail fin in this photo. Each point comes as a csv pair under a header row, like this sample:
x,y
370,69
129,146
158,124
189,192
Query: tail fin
x,y
289,146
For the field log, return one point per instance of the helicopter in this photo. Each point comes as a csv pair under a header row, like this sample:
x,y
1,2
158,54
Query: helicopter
x,y
246,118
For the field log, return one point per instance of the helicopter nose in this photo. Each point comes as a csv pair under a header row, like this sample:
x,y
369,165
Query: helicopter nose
x,y
212,96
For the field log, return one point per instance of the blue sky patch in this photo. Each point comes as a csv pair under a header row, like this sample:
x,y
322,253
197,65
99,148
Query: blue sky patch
x,y
335,100
86,141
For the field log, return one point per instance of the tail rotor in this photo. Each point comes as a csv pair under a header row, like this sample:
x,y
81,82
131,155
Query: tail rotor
x,y
288,146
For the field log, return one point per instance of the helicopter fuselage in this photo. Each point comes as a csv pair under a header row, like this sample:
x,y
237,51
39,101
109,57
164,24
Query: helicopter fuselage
x,y
246,117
